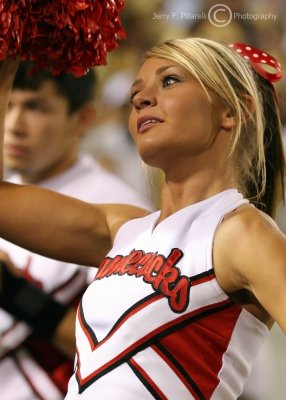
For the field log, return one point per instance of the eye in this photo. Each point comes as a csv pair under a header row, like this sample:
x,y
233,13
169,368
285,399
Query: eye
x,y
132,95
169,80
10,106
37,106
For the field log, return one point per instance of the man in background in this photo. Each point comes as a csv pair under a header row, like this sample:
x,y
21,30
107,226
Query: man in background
x,y
47,116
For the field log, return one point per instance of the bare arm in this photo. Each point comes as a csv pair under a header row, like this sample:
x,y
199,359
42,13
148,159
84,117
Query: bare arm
x,y
59,226
64,336
51,224
250,253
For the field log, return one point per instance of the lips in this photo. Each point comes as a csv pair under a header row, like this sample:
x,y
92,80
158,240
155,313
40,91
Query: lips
x,y
15,150
146,122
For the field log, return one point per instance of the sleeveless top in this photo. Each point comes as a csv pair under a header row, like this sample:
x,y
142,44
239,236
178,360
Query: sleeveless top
x,y
155,323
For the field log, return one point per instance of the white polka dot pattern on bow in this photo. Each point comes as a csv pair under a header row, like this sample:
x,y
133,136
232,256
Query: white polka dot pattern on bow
x,y
257,57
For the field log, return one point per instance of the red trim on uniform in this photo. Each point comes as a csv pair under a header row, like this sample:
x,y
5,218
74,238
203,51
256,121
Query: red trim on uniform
x,y
207,339
83,327
26,377
128,351
176,371
57,366
71,280
148,379
10,329
15,344
132,312
204,279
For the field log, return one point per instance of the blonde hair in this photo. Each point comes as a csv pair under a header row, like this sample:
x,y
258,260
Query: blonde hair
x,y
219,68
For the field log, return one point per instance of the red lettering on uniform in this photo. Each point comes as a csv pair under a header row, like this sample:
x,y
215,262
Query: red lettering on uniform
x,y
157,270
179,295
155,265
133,258
168,272
114,266
146,265
133,270
102,268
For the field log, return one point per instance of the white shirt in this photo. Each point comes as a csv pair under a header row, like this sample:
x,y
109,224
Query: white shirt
x,y
21,376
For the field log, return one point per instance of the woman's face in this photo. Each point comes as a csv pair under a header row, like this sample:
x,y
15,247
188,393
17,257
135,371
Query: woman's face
x,y
172,118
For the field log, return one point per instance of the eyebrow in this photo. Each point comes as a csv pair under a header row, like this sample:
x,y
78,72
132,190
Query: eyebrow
x,y
37,99
158,72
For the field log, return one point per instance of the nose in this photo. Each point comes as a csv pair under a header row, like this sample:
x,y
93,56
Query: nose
x,y
145,98
14,121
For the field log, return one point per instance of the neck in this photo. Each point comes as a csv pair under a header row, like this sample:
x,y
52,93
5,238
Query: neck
x,y
51,171
190,188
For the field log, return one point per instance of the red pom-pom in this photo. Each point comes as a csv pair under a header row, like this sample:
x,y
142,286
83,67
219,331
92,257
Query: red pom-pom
x,y
62,35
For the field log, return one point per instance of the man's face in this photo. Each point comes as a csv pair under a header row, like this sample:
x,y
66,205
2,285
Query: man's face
x,y
40,134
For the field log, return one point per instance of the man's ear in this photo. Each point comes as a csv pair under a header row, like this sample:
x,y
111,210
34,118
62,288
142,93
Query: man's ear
x,y
85,117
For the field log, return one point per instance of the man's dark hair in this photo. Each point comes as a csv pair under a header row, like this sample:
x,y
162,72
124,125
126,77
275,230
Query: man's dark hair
x,y
77,91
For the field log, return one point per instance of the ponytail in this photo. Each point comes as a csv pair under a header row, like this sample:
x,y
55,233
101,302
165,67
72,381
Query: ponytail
x,y
273,192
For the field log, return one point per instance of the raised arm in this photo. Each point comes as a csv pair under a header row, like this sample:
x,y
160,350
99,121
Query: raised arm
x,y
51,224
250,254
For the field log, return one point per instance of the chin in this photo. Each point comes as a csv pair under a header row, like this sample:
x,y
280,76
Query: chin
x,y
147,156
154,156
152,161
14,167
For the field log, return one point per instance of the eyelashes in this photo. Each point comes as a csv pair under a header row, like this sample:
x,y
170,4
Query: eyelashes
x,y
166,81
170,80
132,97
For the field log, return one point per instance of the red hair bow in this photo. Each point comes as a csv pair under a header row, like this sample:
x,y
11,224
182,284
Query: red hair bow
x,y
258,60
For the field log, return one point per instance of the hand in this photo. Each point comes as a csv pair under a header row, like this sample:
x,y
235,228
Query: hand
x,y
27,302
4,258
8,69
5,262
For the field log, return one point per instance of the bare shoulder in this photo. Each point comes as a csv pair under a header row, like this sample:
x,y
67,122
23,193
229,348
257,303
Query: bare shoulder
x,y
118,214
242,239
245,221
250,258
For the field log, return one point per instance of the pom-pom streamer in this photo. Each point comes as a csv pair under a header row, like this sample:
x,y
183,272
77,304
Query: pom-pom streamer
x,y
68,36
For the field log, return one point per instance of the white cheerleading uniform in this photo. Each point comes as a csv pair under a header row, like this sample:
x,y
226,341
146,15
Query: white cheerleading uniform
x,y
31,367
155,324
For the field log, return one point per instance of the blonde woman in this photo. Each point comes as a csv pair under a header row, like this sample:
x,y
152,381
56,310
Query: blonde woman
x,y
184,297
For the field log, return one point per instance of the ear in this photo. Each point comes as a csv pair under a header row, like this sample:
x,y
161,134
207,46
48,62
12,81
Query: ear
x,y
229,120
248,108
85,117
